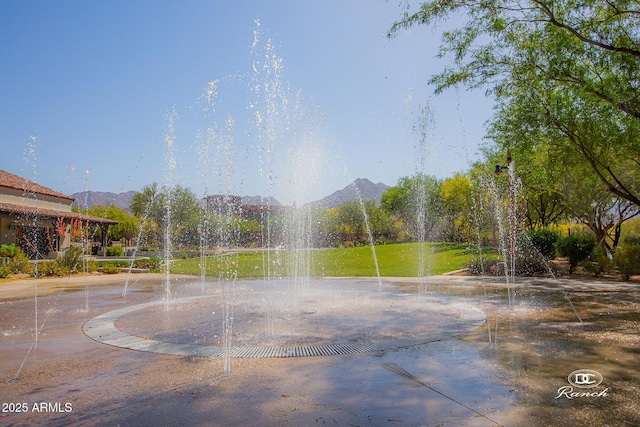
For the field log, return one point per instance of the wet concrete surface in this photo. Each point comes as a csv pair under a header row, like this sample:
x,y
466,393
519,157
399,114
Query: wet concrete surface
x,y
507,372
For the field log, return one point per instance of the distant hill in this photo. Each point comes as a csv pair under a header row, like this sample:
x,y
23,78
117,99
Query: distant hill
x,y
88,199
368,191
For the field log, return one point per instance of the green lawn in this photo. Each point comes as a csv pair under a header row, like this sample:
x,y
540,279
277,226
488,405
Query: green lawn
x,y
396,260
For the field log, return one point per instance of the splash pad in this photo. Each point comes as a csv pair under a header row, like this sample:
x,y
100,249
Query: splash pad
x,y
325,318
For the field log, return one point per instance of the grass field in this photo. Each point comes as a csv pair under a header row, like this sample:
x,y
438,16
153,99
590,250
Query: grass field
x,y
396,260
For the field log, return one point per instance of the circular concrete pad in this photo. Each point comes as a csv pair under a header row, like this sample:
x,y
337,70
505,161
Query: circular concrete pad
x,y
324,319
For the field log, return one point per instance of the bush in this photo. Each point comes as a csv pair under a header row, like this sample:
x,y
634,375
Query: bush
x,y
52,268
45,268
535,248
14,260
575,248
488,265
527,264
544,240
9,251
114,251
72,259
110,268
627,257
5,271
60,270
152,263
532,263
20,263
92,266
598,262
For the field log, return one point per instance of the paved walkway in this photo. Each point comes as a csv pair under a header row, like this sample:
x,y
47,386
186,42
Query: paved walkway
x,y
25,288
507,374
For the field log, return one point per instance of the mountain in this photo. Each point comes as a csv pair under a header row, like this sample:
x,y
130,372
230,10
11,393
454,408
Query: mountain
x,y
368,191
88,199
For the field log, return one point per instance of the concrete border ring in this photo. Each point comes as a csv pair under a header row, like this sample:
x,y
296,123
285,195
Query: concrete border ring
x,y
103,329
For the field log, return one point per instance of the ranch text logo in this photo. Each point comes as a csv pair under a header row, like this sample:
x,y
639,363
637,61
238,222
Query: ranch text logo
x,y
584,381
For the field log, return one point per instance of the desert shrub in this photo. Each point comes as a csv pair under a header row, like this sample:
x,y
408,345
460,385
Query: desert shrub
x,y
60,270
20,263
494,265
152,263
544,240
535,248
598,262
110,268
92,266
72,259
51,268
5,271
575,248
532,263
114,251
45,268
488,264
627,257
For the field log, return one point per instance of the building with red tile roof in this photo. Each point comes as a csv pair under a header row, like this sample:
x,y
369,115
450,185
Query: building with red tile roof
x,y
39,219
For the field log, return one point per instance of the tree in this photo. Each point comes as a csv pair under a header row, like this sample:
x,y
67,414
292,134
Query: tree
x,y
229,230
483,195
575,248
186,216
540,173
177,207
350,224
571,130
380,222
146,203
565,73
456,202
127,227
325,234
417,202
588,201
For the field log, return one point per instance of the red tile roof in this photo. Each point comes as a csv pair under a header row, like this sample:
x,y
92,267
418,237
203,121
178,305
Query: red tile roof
x,y
51,213
14,181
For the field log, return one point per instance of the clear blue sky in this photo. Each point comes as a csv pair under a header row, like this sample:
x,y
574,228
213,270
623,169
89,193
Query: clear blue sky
x,y
94,82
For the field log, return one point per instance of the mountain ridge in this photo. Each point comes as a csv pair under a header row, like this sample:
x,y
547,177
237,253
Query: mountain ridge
x,y
366,188
88,199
